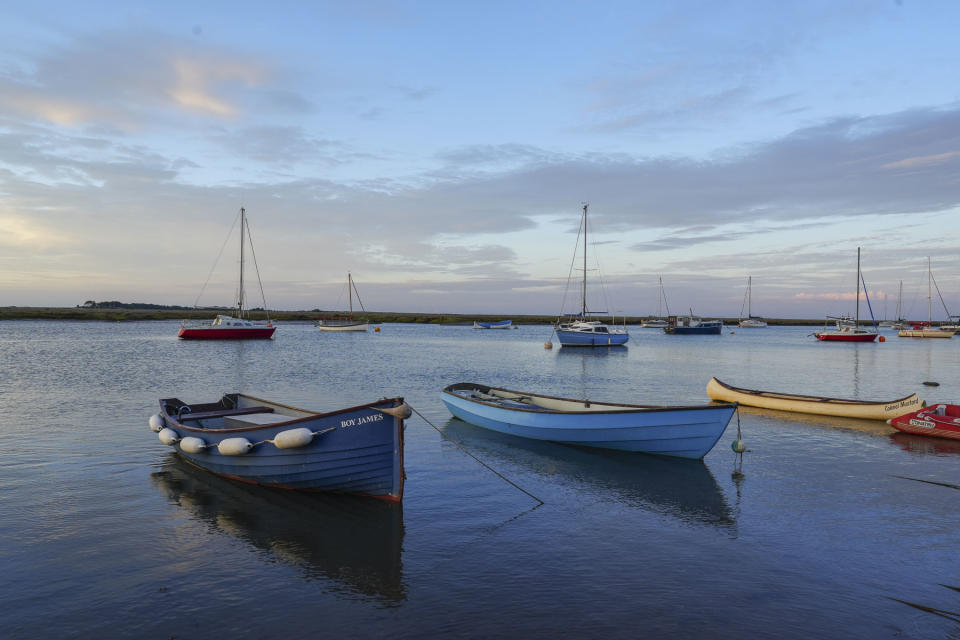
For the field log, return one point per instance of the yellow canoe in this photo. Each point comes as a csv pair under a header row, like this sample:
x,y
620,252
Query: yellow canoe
x,y
864,409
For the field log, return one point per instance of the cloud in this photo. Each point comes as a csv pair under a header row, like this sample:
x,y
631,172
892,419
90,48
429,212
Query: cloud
x,y
909,163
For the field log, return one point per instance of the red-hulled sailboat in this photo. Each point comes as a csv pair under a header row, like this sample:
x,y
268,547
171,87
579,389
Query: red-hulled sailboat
x,y
225,327
847,328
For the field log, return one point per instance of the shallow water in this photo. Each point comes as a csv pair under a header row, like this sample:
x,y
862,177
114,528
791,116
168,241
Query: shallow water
x,y
823,531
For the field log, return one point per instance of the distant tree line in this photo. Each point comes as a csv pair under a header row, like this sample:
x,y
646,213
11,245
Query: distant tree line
x,y
116,304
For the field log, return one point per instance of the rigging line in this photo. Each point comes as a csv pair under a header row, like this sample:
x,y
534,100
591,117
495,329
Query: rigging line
x,y
358,295
573,260
947,311
256,268
664,294
867,296
217,260
484,464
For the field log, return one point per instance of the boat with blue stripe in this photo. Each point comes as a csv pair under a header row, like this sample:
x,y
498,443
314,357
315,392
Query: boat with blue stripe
x,y
500,324
680,431
358,450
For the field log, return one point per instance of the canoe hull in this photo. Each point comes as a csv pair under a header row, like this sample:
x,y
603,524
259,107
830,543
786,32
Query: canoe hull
x,y
813,405
685,432
357,450
940,421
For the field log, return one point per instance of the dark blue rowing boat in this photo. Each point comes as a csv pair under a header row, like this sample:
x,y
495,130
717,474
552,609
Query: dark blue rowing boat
x,y
357,450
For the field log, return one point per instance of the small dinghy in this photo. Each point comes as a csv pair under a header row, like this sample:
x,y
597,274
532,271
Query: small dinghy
x,y
357,450
865,409
939,420
681,431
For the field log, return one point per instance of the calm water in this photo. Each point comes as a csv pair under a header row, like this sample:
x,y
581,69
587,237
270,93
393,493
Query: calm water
x,y
825,529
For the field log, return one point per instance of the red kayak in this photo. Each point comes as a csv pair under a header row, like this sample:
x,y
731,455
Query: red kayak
x,y
939,420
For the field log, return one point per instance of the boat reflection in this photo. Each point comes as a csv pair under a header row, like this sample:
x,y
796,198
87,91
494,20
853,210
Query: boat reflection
x,y
926,445
620,350
683,489
353,542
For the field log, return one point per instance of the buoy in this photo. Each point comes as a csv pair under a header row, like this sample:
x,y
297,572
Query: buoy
x,y
738,446
168,437
930,383
193,445
234,446
548,345
376,329
883,338
403,411
293,438
156,423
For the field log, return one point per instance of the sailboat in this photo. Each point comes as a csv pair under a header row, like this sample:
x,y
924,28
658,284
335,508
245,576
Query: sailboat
x,y
238,327
848,329
580,332
658,322
750,322
926,329
348,323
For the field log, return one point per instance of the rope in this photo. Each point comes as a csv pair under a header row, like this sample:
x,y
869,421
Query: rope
x,y
216,261
256,268
482,463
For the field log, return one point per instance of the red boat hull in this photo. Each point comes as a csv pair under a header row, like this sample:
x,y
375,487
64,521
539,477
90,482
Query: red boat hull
x,y
930,422
227,333
846,337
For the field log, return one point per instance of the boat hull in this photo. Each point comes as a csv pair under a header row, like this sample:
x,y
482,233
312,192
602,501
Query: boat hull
x,y
940,421
925,333
711,330
839,407
354,326
684,432
569,338
504,324
845,336
226,333
357,450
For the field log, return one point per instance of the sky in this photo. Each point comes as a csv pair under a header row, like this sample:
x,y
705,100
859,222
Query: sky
x,y
442,152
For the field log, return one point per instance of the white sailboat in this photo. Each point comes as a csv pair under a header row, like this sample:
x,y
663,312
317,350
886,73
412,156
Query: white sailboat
x,y
926,329
750,322
348,323
580,332
658,322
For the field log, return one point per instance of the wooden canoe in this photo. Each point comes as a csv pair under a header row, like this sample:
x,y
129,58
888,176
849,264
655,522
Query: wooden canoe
x,y
864,409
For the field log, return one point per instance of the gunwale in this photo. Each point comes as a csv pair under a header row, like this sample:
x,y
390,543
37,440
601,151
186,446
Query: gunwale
x,y
621,407
845,407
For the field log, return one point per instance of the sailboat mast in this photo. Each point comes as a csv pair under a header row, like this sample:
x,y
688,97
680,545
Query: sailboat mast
x,y
243,224
749,296
583,311
350,292
929,293
858,288
660,298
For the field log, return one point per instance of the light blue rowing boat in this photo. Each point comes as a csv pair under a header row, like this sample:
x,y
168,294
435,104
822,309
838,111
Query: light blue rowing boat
x,y
681,431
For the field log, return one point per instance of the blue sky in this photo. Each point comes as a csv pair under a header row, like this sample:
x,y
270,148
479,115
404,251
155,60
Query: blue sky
x,y
441,152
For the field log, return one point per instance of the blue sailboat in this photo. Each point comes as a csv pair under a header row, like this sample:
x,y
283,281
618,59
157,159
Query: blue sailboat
x,y
577,331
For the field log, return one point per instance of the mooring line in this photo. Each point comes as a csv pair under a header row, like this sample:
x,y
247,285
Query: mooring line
x,y
484,464
939,484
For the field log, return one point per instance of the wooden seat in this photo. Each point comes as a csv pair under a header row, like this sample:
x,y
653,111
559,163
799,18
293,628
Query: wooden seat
x,y
200,415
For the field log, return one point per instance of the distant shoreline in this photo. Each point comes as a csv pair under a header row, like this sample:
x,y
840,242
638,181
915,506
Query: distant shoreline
x,y
129,315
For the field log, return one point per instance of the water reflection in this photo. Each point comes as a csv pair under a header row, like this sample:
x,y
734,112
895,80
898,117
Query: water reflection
x,y
353,542
684,489
617,350
926,445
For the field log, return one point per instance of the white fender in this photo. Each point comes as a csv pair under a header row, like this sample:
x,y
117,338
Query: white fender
x,y
156,423
193,445
234,446
293,438
168,436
